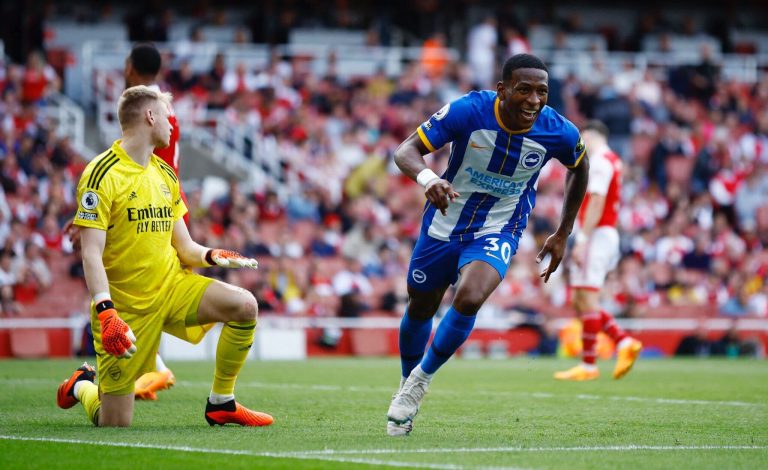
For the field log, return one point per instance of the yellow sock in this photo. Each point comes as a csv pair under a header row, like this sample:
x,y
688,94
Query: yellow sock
x,y
89,397
234,343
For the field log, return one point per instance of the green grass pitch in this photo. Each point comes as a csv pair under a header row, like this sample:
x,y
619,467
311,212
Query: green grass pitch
x,y
479,414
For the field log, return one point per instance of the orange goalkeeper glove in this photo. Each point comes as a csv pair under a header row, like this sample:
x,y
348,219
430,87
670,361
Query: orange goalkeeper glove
x,y
116,336
229,259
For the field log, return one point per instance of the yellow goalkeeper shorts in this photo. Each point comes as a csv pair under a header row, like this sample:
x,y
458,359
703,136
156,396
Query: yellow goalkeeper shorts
x,y
177,316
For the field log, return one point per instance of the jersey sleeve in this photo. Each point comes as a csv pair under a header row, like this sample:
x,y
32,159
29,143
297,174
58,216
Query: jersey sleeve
x,y
573,149
600,174
444,126
94,199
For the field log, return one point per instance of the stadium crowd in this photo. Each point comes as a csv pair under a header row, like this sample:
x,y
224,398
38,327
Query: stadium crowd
x,y
36,174
693,221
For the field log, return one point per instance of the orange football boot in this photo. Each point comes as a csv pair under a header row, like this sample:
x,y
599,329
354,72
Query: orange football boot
x,y
150,383
234,412
65,396
578,374
626,357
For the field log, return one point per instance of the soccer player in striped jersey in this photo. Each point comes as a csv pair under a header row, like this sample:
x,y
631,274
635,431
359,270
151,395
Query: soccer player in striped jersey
x,y
595,253
476,212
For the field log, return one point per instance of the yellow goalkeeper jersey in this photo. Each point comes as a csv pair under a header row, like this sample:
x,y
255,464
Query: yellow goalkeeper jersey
x,y
137,207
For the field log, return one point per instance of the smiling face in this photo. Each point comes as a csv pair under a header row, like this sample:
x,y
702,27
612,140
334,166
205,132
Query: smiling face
x,y
523,97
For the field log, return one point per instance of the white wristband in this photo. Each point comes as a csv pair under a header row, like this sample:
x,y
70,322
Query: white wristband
x,y
101,296
426,176
581,237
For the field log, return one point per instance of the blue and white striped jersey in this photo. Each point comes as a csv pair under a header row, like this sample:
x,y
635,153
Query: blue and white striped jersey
x,y
494,169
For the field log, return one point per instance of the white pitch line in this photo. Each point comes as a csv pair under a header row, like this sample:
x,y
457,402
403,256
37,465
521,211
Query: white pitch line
x,y
492,393
339,388
330,454
469,450
309,455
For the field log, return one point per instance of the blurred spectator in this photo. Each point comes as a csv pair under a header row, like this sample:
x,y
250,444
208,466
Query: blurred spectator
x,y
35,265
699,258
353,288
38,79
738,304
182,79
727,345
239,80
362,243
751,194
515,41
213,81
284,282
695,344
8,281
704,76
434,57
481,52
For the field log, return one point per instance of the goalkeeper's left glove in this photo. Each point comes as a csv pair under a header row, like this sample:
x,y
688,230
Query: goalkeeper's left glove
x,y
229,259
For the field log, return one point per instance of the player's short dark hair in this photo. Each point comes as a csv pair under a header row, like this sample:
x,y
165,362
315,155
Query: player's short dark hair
x,y
521,61
597,126
145,59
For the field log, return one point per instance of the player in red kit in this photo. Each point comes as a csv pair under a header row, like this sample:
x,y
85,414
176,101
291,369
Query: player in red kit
x,y
595,253
141,68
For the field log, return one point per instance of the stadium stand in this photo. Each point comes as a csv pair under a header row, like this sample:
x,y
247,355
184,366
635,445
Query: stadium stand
x,y
306,122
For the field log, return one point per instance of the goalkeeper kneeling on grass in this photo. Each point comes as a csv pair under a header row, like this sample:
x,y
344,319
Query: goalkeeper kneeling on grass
x,y
134,243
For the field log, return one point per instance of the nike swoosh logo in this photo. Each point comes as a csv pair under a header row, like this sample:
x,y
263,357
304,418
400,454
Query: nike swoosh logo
x,y
493,256
475,146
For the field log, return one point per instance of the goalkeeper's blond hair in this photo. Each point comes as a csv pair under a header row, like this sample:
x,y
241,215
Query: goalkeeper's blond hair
x,y
133,102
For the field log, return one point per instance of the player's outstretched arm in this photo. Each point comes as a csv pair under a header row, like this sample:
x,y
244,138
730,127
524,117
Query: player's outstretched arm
x,y
116,336
193,254
409,157
575,187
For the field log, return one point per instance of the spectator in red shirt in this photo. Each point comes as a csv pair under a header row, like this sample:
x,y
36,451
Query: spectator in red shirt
x,y
38,80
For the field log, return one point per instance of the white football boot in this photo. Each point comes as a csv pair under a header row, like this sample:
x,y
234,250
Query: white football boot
x,y
405,404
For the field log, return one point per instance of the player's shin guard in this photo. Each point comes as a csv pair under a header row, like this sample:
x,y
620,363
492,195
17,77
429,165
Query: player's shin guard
x,y
89,397
414,336
453,330
234,344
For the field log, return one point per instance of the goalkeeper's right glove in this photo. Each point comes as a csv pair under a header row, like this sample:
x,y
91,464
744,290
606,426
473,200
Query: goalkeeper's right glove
x,y
116,336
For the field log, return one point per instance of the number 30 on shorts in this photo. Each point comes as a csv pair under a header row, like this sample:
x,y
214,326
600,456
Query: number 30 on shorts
x,y
493,249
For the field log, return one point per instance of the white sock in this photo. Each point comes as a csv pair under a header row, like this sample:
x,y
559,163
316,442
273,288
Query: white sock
x,y
419,372
76,388
589,367
217,399
624,343
159,364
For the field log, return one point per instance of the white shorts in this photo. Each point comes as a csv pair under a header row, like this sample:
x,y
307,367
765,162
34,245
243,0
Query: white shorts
x,y
601,257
